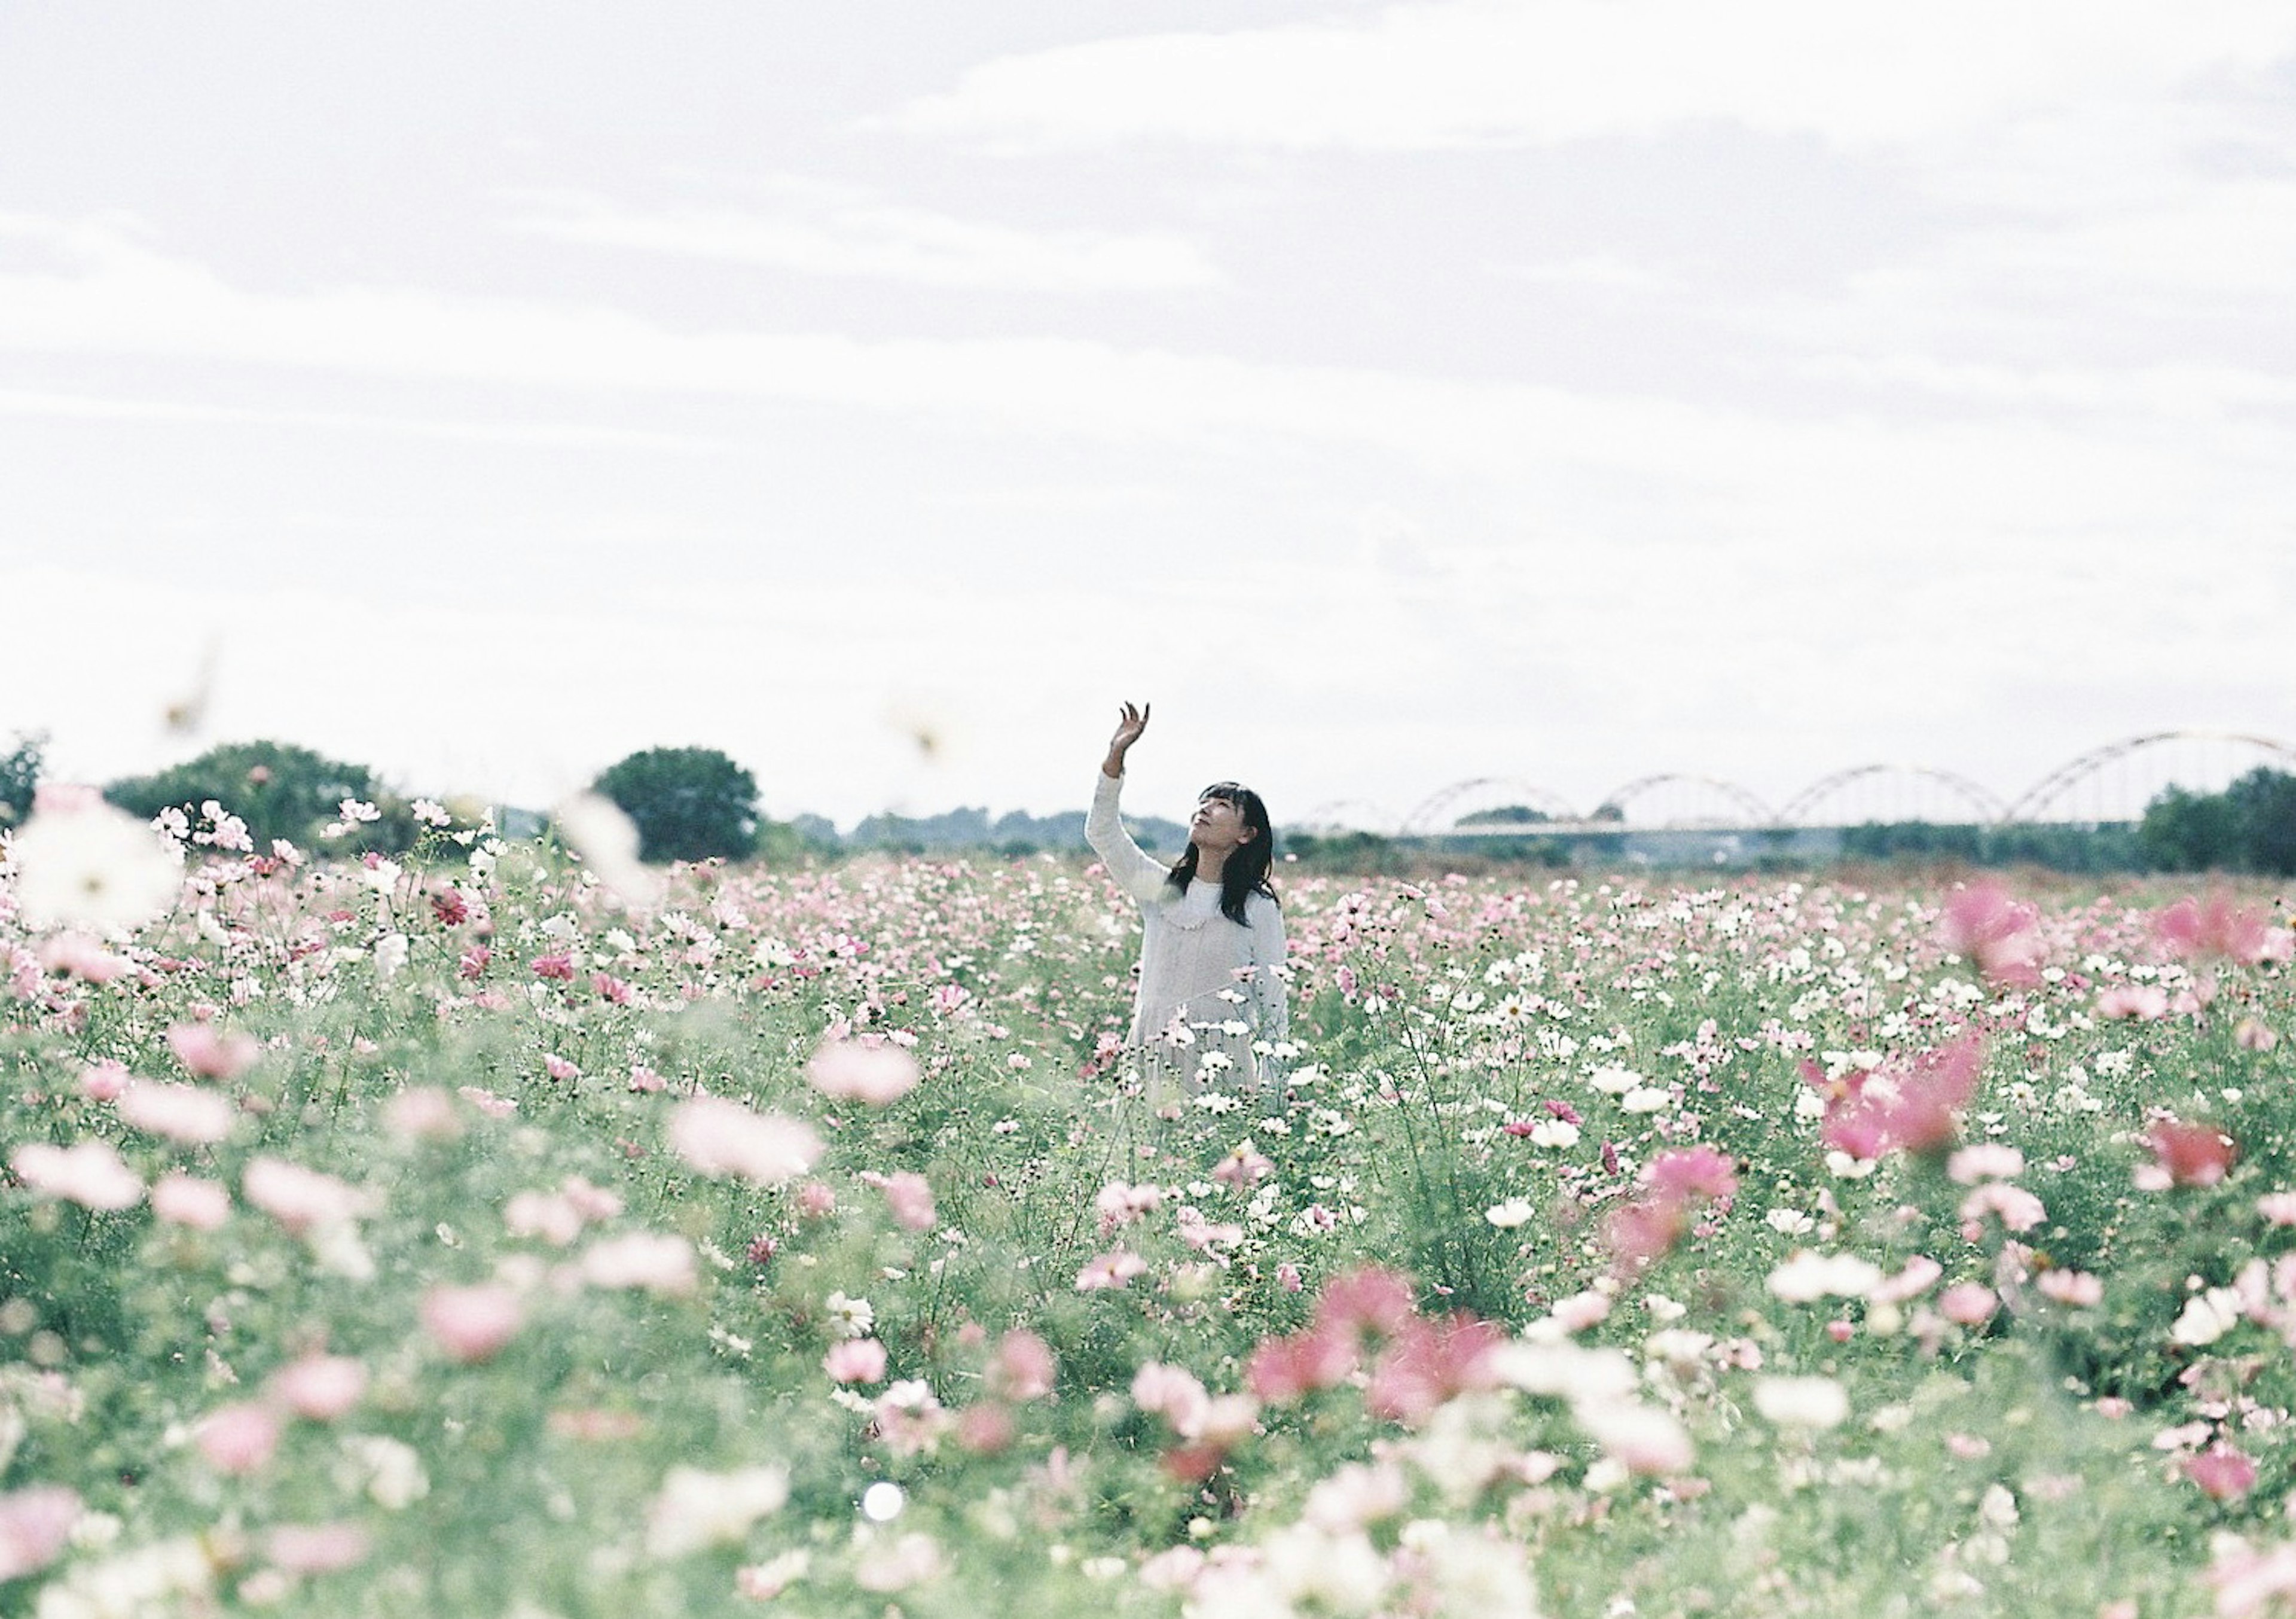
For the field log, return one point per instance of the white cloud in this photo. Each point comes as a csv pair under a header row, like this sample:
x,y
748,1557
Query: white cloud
x,y
821,230
1501,72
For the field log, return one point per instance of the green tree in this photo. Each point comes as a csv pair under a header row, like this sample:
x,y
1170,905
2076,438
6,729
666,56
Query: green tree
x,y
19,777
2263,808
689,804
279,790
2185,831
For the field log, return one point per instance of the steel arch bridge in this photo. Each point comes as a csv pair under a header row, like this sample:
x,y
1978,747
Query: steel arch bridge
x,y
2092,772
1986,806
1345,815
1440,812
1750,810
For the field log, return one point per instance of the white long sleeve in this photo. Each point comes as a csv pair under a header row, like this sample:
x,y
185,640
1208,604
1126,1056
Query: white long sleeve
x,y
1206,984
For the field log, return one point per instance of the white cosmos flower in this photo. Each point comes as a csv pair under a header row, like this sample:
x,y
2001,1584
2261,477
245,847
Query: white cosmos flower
x,y
608,841
1555,1132
1802,1402
1644,1099
1808,1277
1514,1212
2207,1317
93,865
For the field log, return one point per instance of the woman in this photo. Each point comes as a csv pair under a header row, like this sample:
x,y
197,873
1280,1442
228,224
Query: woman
x,y
1211,998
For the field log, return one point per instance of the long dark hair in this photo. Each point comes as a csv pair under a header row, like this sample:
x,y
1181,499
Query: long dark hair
x,y
1246,871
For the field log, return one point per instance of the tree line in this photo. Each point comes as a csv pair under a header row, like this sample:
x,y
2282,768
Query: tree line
x,y
697,803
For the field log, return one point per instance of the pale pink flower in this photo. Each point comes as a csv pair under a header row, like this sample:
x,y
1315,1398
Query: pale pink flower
x,y
486,1102
187,1200
81,957
885,1564
816,1200
238,1438
319,1388
422,1113
104,1081
2250,1035
316,1548
1112,1269
856,1360
1645,1439
183,1113
1023,1369
590,1201
92,1174
866,1070
1243,1166
2145,1002
209,1053
543,1214
1969,1304
2076,1288
908,1194
303,1200
2277,1208
36,1525
2019,1209
658,1263
718,1137
1173,1393
985,1428
2001,935
1987,1161
472,1324
558,1068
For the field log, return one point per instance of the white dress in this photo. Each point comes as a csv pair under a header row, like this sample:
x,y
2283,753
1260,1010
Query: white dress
x,y
1209,989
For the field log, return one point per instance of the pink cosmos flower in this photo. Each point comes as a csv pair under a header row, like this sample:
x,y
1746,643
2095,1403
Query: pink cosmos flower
x,y
1985,1161
2250,1035
2277,1208
80,957
985,1428
558,1068
543,1214
1173,1393
301,1199
558,965
1969,1304
183,1113
2144,1002
1111,1270
1918,1276
868,1069
2223,1473
319,1388
316,1548
2075,1288
2190,1154
104,1081
2218,929
91,1175
1910,1108
1244,1165
473,964
238,1438
423,1112
718,1137
1023,1368
2001,935
1427,1363
36,1524
856,1360
187,1200
2019,1209
1691,1174
908,1194
472,1324
1369,1298
209,1053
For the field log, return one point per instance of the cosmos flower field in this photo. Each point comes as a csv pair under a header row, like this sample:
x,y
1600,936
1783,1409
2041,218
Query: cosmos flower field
x,y
467,1235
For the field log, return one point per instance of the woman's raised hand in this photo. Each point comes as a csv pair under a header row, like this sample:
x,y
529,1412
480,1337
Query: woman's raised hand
x,y
1128,727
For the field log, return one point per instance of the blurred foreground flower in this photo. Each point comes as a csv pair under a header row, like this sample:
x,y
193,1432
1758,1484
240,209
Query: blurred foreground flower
x,y
696,1510
80,862
35,1525
721,1138
2218,929
608,841
2002,936
868,1069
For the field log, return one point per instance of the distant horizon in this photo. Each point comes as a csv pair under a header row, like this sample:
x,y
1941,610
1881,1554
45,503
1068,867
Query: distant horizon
x,y
2259,748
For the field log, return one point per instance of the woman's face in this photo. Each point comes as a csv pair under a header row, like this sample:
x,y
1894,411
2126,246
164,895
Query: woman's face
x,y
1218,826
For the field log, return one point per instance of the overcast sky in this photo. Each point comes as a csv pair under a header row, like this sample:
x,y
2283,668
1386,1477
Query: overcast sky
x,y
1564,391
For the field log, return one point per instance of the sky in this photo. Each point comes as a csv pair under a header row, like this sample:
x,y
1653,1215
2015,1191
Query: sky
x,y
1560,392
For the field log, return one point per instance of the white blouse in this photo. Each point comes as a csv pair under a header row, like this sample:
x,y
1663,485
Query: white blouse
x,y
1206,984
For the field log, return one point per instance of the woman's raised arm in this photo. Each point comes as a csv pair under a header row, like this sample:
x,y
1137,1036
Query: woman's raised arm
x,y
1134,871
